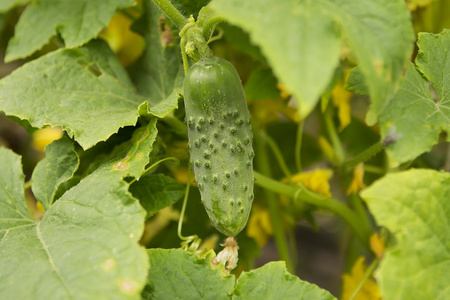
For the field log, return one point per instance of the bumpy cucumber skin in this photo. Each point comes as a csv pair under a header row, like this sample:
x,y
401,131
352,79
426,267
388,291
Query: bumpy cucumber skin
x,y
220,142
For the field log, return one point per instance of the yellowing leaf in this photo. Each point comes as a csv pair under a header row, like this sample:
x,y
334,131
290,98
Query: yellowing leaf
x,y
341,99
316,180
368,291
43,137
127,44
377,244
259,226
357,182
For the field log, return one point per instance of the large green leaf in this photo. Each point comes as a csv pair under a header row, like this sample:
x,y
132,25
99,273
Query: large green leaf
x,y
177,274
76,21
273,281
85,91
159,71
85,246
6,5
156,192
414,205
58,166
416,115
302,41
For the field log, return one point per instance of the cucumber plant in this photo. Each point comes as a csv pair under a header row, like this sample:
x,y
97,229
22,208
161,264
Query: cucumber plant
x,y
98,214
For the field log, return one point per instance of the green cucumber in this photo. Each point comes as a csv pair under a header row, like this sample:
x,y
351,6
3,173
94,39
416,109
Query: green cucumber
x,y
220,142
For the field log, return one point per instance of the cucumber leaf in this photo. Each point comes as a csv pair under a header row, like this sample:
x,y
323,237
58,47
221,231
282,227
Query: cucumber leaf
x,y
303,41
6,5
81,247
57,167
417,113
415,207
156,192
177,274
159,72
85,91
76,22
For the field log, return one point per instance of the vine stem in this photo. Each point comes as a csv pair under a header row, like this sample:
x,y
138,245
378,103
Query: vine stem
x,y
369,272
364,156
331,129
298,146
146,171
262,161
302,194
276,151
183,208
171,12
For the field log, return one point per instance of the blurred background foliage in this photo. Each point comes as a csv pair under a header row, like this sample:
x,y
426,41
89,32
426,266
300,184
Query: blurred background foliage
x,y
320,244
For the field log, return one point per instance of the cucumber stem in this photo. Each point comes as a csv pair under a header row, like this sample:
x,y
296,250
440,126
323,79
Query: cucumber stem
x,y
302,194
171,12
364,156
262,161
298,146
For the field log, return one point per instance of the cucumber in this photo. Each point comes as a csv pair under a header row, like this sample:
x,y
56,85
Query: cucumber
x,y
220,142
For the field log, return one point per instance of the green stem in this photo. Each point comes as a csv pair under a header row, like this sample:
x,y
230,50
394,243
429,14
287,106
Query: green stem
x,y
360,210
183,209
302,194
146,171
171,12
298,146
210,24
363,156
332,132
278,156
262,161
369,272
374,169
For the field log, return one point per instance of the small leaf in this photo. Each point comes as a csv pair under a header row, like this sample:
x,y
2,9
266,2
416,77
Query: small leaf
x,y
177,274
368,291
77,89
273,281
417,113
413,205
130,157
58,166
156,192
76,21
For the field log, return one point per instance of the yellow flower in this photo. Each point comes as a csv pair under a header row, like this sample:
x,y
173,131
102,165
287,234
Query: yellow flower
x,y
44,136
368,291
341,99
357,183
316,180
259,226
377,244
